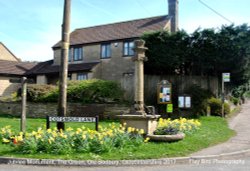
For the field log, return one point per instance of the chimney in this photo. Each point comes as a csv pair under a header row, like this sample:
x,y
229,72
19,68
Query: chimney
x,y
173,13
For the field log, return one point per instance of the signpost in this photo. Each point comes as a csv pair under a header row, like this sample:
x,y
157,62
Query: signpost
x,y
23,82
225,78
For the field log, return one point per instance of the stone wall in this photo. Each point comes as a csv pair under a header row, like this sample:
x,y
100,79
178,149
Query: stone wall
x,y
40,110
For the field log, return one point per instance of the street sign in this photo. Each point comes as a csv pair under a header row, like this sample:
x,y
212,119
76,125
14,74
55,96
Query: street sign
x,y
226,77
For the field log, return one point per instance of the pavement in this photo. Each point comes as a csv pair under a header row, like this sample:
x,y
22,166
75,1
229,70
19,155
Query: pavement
x,y
235,148
241,142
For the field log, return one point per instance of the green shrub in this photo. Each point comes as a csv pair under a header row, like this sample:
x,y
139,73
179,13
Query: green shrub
x,y
94,91
86,91
216,106
38,93
234,100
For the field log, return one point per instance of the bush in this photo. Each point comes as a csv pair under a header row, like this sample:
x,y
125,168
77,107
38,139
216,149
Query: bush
x,y
86,91
39,93
94,91
216,105
235,100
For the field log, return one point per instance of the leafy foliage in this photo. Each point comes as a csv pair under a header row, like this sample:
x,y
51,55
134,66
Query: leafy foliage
x,y
205,52
81,140
171,127
216,107
86,91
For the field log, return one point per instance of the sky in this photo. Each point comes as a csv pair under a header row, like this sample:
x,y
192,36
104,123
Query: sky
x,y
29,28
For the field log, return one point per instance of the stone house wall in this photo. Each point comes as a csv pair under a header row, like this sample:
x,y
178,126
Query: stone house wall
x,y
113,68
7,88
5,54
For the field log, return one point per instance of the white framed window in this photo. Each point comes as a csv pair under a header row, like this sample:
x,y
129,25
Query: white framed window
x,y
82,76
128,48
105,51
78,54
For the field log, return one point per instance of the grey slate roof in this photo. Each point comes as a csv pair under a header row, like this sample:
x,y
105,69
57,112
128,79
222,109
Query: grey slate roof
x,y
47,67
116,31
15,68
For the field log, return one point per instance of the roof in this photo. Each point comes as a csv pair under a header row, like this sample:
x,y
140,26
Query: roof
x,y
47,67
10,52
116,31
13,68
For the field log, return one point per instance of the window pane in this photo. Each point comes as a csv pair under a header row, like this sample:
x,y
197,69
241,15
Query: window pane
x,y
78,54
125,48
82,76
105,51
131,47
108,51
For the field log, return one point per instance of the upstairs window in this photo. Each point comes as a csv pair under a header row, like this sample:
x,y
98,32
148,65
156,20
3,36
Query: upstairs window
x,y
78,54
128,48
82,76
105,51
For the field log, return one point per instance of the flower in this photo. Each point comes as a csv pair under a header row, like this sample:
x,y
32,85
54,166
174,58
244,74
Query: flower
x,y
147,139
5,140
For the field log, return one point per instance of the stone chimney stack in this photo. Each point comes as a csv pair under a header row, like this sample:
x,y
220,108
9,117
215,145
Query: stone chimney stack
x,y
173,13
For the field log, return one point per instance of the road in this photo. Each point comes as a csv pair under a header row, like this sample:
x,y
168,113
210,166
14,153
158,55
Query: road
x,y
242,164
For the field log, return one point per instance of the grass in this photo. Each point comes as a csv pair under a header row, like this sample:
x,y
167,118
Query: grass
x,y
213,130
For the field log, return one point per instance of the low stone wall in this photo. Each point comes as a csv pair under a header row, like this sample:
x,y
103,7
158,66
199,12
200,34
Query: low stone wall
x,y
40,110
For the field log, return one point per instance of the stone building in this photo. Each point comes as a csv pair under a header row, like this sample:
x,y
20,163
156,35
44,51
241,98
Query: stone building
x,y
11,67
104,51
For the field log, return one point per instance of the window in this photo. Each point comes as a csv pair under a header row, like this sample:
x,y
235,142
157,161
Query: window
x,y
78,54
105,51
82,76
128,48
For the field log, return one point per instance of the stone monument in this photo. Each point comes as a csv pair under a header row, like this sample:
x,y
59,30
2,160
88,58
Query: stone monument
x,y
139,118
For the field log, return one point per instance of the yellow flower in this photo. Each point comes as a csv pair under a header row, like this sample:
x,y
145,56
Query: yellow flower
x,y
49,130
129,129
20,138
83,136
147,139
69,129
5,140
141,131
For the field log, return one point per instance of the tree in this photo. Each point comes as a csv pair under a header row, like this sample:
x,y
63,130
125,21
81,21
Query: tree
x,y
207,52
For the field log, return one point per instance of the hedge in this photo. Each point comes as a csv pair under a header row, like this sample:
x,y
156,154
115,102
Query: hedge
x,y
86,91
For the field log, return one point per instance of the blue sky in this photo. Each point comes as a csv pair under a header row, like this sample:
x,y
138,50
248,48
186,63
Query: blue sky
x,y
29,28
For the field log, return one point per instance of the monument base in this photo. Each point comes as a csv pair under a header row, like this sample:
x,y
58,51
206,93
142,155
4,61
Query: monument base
x,y
147,122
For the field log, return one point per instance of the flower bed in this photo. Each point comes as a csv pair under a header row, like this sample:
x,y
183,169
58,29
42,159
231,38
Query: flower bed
x,y
171,127
174,130
81,140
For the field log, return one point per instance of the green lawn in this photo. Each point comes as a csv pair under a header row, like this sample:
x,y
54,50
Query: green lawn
x,y
213,130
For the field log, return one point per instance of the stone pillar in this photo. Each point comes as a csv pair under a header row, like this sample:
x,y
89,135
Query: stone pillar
x,y
139,59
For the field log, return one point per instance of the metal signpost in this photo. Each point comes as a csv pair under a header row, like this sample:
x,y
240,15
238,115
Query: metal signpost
x,y
225,78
